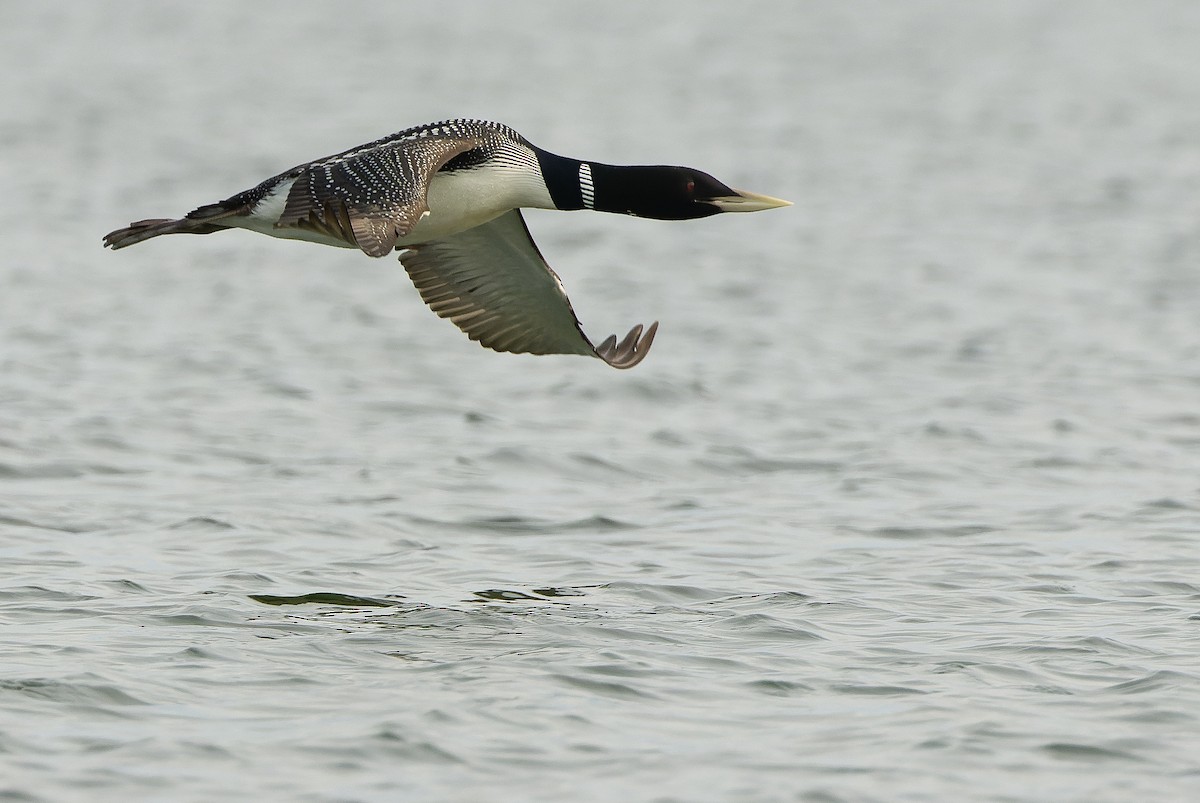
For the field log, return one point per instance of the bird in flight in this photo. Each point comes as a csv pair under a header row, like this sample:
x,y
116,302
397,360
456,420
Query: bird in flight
x,y
448,195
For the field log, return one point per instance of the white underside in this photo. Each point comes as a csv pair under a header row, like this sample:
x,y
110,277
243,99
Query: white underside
x,y
457,202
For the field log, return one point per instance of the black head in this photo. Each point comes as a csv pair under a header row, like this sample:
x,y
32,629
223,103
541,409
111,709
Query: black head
x,y
659,192
669,193
663,192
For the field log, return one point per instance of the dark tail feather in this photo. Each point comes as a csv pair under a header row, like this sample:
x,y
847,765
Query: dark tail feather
x,y
141,230
199,221
145,229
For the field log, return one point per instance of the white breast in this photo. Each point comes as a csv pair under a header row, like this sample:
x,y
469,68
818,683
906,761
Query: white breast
x,y
457,201
465,199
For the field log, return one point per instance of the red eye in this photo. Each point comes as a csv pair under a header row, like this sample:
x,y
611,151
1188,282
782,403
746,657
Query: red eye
x,y
691,186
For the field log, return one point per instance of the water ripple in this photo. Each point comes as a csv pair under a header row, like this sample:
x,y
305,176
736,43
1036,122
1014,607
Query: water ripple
x,y
903,506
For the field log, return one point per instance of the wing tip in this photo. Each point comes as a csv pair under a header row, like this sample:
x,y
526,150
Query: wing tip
x,y
631,350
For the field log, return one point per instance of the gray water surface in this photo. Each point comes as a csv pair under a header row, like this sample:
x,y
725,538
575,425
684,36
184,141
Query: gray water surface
x,y
904,505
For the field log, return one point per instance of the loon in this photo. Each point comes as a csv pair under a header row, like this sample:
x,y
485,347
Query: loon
x,y
448,195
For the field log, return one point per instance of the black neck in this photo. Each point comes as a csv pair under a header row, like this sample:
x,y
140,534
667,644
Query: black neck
x,y
656,191
615,188
562,179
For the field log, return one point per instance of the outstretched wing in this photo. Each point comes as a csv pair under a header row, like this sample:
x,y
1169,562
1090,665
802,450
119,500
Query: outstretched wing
x,y
492,282
371,196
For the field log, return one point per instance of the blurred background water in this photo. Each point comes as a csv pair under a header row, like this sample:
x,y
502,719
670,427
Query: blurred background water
x,y
903,506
